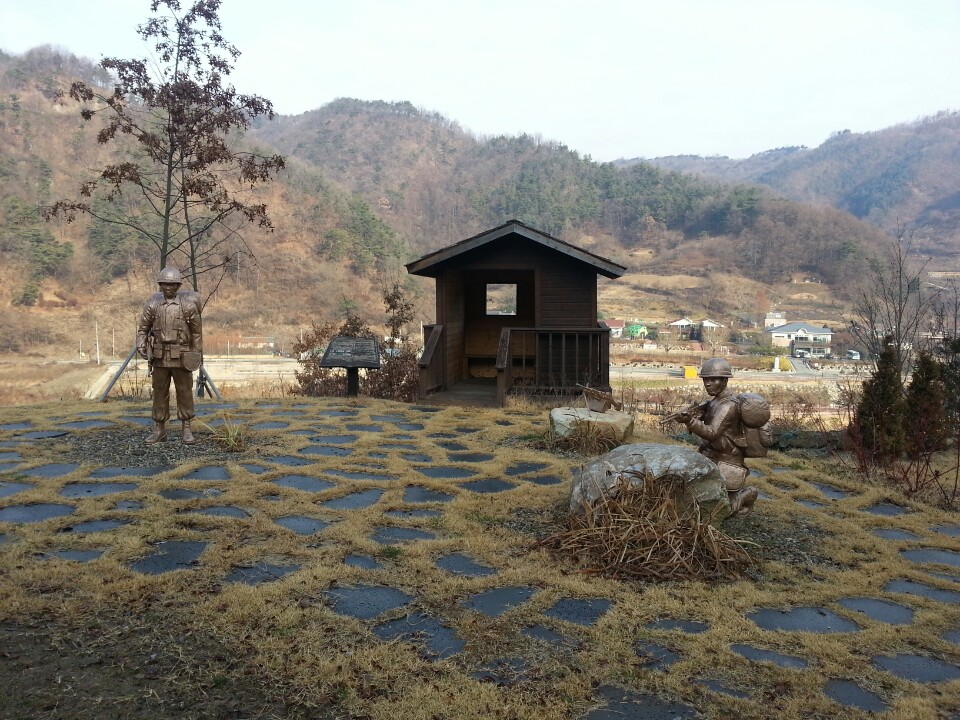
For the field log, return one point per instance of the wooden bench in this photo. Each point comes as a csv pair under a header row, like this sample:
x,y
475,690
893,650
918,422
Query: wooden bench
x,y
480,353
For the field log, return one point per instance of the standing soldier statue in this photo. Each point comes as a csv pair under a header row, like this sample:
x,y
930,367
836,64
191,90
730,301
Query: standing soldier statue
x,y
169,337
719,424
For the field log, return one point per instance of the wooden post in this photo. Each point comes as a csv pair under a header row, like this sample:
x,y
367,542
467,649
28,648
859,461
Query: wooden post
x,y
353,382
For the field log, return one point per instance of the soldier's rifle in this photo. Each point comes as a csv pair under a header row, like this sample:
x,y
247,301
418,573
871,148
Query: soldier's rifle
x,y
695,410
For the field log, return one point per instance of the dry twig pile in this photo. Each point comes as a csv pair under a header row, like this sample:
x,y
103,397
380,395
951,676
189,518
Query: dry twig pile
x,y
648,531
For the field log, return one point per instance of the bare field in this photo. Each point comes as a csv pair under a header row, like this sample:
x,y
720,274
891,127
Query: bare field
x,y
29,379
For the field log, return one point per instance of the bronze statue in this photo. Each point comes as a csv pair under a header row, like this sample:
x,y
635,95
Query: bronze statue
x,y
169,337
719,423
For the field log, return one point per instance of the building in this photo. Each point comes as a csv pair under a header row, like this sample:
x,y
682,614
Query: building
x,y
683,326
803,337
774,319
616,328
549,342
708,331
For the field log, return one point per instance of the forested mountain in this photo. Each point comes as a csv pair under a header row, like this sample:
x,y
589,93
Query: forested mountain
x,y
371,185
435,183
907,174
62,269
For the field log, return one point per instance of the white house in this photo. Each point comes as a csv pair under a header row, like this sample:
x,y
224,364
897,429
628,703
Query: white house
x,y
683,327
774,319
809,339
616,327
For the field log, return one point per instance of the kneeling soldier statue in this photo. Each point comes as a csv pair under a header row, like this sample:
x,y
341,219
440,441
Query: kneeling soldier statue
x,y
719,424
169,337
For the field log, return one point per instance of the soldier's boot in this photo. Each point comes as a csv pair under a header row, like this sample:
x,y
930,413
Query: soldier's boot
x,y
188,438
159,434
741,503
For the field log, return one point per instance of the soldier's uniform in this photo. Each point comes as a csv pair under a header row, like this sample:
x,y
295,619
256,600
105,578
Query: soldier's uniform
x,y
173,327
719,426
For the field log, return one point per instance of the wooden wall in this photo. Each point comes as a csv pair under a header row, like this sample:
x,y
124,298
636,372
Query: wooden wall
x,y
553,290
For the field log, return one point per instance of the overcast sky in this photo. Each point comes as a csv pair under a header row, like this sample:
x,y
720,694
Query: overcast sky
x,y
608,78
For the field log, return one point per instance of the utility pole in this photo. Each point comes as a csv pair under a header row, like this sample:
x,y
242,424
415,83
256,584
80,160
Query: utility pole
x,y
96,334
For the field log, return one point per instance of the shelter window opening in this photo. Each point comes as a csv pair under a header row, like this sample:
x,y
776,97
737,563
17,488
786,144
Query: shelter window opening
x,y
501,299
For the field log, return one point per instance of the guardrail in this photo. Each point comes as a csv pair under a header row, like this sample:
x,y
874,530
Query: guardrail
x,y
553,360
431,361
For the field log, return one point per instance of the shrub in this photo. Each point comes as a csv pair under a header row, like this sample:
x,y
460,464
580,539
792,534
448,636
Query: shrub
x,y
399,375
925,422
878,421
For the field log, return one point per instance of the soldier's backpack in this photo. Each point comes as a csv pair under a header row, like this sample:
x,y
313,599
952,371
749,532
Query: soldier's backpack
x,y
758,434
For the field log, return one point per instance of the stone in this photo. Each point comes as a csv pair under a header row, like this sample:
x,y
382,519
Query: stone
x,y
434,639
850,694
756,654
490,485
36,512
259,573
802,619
365,602
581,612
169,556
614,424
498,600
460,564
918,668
700,475
629,705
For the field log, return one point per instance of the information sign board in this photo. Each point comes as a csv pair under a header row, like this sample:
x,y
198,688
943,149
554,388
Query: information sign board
x,y
351,352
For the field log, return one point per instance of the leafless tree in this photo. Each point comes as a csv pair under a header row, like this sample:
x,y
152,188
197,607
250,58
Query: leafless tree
x,y
893,303
192,190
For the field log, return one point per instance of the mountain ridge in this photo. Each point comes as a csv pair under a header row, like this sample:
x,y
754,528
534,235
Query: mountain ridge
x,y
372,185
904,175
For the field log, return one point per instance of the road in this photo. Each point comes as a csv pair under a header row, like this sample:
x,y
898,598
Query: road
x,y
802,373
246,369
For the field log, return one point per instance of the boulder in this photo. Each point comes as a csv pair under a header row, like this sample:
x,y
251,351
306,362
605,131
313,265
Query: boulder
x,y
701,477
612,424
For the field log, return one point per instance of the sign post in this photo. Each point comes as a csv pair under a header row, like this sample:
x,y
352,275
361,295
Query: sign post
x,y
352,353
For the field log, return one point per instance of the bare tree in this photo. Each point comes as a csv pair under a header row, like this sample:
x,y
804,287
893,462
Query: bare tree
x,y
189,188
893,304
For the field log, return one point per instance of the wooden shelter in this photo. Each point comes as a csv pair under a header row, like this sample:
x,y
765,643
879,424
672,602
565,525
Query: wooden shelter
x,y
518,306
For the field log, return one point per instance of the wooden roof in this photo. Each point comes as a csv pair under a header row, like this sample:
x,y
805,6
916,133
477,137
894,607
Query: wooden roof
x,y
430,265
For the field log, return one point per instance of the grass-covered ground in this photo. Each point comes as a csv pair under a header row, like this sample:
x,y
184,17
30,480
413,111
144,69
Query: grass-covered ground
x,y
343,617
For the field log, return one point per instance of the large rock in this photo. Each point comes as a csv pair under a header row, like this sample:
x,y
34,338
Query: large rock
x,y
701,477
618,426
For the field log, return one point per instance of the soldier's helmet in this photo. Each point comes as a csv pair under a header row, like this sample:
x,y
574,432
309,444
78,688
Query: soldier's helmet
x,y
716,368
170,275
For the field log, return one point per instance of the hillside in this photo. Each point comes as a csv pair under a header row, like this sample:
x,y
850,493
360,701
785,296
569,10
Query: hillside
x,y
369,186
905,174
57,279
435,183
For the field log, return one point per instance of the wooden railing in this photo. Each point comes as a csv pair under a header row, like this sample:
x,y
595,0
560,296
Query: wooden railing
x,y
431,362
553,360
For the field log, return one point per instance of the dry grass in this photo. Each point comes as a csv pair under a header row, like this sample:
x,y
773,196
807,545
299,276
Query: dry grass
x,y
587,439
30,380
285,635
644,531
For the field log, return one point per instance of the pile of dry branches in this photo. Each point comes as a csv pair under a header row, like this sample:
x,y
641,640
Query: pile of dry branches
x,y
648,530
